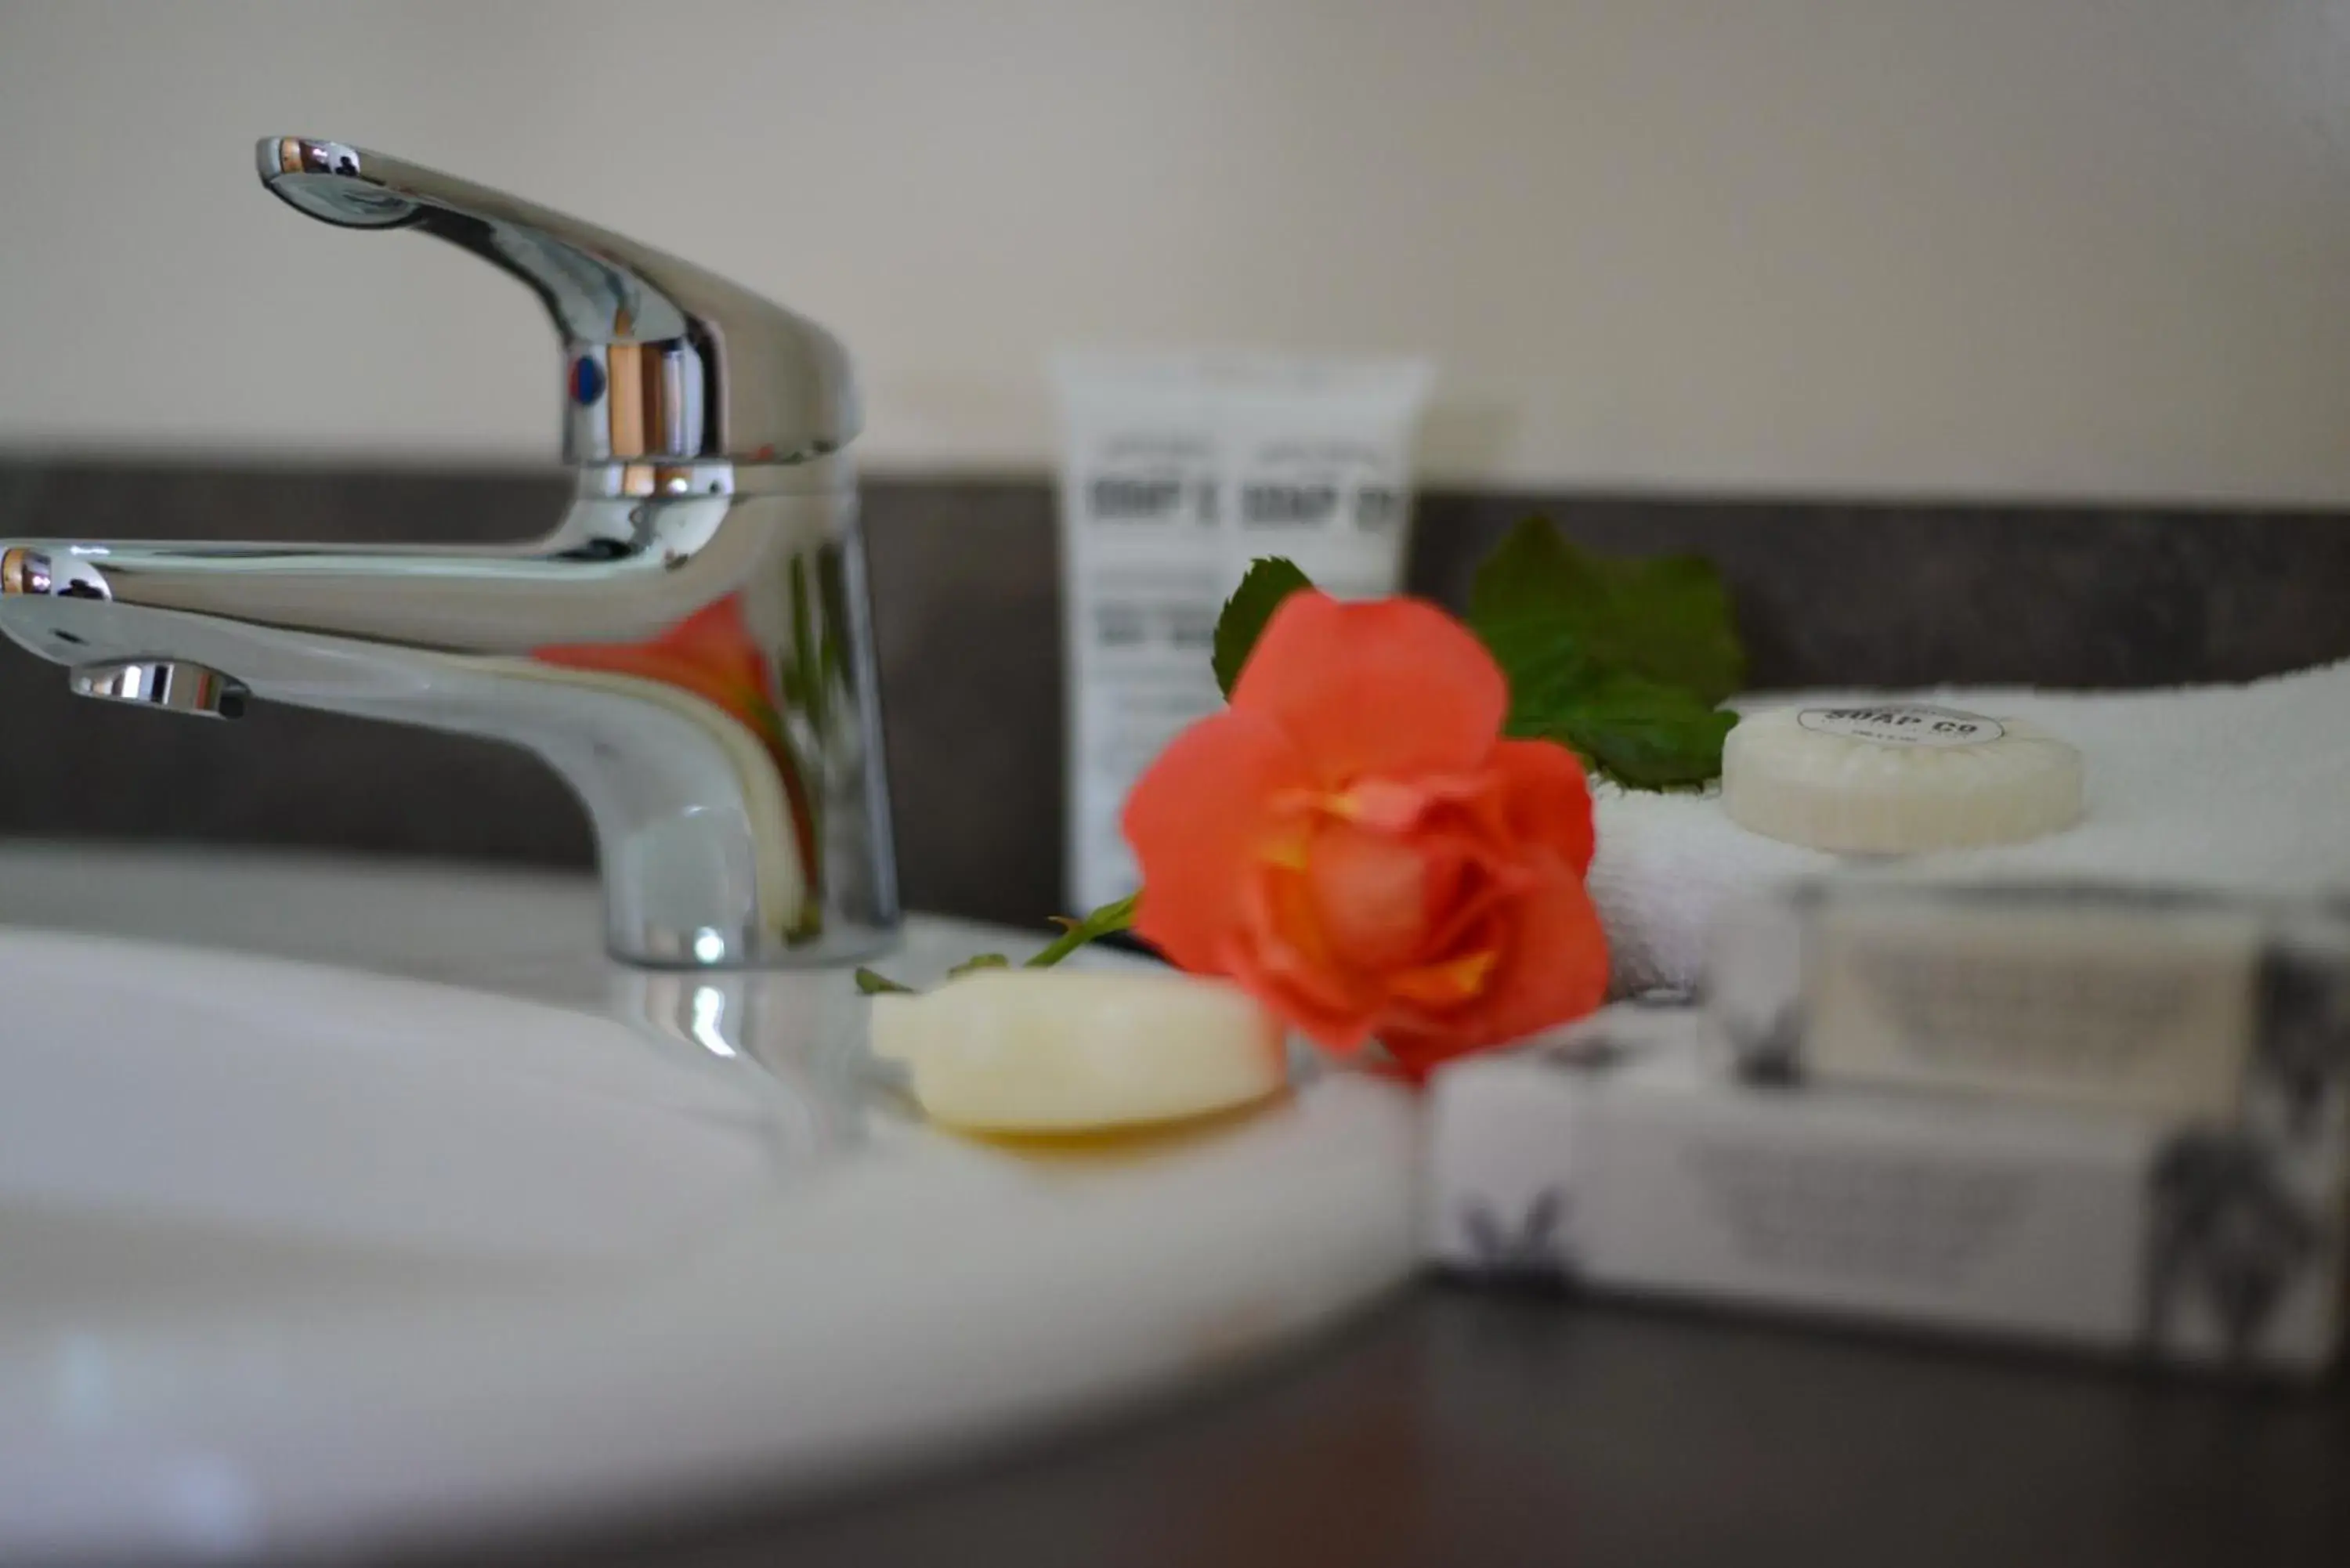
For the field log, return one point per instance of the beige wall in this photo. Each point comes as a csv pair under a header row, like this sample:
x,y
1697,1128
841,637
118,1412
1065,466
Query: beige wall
x,y
2002,246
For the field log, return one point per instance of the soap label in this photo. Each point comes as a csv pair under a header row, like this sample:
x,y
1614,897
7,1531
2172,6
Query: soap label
x,y
2140,1009
1903,724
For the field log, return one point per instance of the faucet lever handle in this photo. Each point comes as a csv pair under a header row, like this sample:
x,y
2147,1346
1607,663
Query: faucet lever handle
x,y
664,362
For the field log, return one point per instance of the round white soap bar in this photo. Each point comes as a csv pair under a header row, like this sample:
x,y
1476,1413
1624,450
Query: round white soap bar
x,y
1057,1050
1894,778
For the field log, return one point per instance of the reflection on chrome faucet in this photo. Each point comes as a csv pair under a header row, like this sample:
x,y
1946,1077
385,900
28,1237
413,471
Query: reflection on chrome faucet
x,y
690,649
797,1040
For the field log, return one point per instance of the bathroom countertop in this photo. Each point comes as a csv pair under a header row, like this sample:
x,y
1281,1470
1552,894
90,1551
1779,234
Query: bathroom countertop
x,y
1463,1428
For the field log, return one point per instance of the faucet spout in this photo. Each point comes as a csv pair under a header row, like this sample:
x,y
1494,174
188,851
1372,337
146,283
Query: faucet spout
x,y
690,649
697,668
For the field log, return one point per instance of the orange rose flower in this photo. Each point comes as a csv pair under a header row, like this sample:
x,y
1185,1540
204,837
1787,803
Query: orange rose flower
x,y
1354,842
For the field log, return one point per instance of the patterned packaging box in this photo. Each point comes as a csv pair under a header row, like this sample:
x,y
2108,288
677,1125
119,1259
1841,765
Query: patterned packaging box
x,y
1633,1156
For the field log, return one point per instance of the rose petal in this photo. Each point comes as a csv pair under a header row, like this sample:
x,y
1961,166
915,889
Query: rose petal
x,y
1392,805
1483,889
1553,969
1198,820
1416,1007
1546,798
1392,687
1376,893
1342,1030
1282,958
1447,982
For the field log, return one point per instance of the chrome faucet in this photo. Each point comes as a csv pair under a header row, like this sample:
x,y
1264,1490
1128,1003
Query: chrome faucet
x,y
691,648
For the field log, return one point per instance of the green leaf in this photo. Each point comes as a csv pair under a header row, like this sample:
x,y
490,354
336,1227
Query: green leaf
x,y
873,982
1270,580
1624,660
1543,606
1108,920
981,961
1638,732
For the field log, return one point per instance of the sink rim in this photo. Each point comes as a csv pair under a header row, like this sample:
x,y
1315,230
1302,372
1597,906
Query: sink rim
x,y
1009,1293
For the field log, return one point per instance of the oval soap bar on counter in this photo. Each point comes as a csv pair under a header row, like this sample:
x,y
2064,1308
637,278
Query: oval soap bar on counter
x,y
1059,1050
1894,778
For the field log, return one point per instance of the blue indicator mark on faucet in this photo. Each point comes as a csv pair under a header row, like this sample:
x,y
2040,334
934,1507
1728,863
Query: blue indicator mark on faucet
x,y
587,380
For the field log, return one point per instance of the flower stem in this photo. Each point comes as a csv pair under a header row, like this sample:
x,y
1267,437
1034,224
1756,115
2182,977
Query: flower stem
x,y
1108,920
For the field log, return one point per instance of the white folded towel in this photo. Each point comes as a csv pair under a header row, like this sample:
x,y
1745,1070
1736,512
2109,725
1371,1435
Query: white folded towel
x,y
2237,787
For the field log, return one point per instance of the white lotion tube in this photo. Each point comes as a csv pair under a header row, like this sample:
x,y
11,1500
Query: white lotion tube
x,y
1178,469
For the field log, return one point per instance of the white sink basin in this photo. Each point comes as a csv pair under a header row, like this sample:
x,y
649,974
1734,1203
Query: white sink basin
x,y
294,1256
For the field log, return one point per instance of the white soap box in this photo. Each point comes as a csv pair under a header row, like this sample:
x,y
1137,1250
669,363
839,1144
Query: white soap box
x,y
2172,1003
1631,1157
